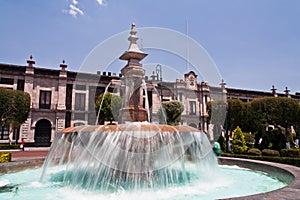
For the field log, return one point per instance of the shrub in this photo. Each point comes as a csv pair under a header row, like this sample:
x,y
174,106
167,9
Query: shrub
x,y
249,138
270,152
5,157
238,143
284,160
295,153
222,142
255,152
7,146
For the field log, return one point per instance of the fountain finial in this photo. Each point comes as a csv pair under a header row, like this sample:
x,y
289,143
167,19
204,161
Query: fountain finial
x,y
133,29
133,50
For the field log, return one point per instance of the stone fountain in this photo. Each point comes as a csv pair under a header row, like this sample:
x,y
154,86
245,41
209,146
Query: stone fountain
x,y
135,153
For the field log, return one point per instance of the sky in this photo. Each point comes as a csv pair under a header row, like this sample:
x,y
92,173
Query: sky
x,y
254,43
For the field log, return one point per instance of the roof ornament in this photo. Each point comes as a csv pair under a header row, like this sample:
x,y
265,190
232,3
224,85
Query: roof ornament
x,y
30,62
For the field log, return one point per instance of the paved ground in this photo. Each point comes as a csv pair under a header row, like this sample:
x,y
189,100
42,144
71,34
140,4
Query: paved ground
x,y
29,153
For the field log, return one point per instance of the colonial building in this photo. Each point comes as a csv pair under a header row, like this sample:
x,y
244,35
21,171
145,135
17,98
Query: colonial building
x,y
62,98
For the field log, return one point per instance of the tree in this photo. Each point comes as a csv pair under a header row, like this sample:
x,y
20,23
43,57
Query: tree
x,y
14,107
282,111
222,142
110,107
235,114
238,141
173,110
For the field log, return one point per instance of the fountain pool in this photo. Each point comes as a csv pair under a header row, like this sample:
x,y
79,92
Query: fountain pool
x,y
231,181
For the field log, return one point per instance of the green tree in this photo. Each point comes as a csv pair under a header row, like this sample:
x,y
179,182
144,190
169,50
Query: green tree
x,y
222,142
238,141
14,107
173,110
110,107
249,138
235,113
282,111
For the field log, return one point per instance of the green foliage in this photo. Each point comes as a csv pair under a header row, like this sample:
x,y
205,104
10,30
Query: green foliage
x,y
273,139
5,157
254,151
282,111
249,138
110,107
295,153
221,140
173,110
284,160
7,146
270,152
238,143
14,107
235,113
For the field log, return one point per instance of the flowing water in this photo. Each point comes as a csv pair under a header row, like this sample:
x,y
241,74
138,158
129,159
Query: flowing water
x,y
105,91
133,156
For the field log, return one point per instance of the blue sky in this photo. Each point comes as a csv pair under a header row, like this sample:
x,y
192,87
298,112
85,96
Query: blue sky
x,y
254,43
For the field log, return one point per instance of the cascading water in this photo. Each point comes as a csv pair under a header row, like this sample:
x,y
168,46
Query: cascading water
x,y
130,156
144,86
105,91
164,117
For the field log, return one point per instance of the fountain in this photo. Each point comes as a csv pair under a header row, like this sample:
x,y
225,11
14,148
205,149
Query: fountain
x,y
134,154
133,159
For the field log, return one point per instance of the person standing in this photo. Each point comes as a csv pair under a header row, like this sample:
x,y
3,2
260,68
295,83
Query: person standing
x,y
22,146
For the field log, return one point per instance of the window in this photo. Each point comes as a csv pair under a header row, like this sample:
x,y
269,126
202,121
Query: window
x,y
8,81
4,133
45,99
179,96
192,107
79,101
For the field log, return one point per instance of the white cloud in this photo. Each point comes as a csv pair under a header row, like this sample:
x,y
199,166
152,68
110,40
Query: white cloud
x,y
100,2
74,9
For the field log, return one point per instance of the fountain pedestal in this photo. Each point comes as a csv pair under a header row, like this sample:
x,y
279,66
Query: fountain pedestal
x,y
132,76
134,114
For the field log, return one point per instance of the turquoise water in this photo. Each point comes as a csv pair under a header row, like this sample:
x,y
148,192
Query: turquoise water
x,y
232,181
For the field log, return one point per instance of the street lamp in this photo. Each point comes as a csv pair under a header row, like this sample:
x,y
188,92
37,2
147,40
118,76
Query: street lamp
x,y
159,78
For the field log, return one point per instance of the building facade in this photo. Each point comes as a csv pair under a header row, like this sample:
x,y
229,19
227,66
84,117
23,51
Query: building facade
x,y
61,98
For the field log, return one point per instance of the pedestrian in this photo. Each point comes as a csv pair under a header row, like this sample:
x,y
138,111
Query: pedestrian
x,y
22,146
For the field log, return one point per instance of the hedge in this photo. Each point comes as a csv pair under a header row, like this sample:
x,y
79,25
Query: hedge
x,y
294,153
254,151
7,146
5,157
270,152
283,160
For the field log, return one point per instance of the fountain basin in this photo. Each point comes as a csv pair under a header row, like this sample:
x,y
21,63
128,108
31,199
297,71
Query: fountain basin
x,y
288,173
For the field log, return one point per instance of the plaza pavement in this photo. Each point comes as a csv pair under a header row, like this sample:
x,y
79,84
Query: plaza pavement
x,y
29,153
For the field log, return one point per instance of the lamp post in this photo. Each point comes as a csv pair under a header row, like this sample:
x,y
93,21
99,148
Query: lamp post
x,y
159,78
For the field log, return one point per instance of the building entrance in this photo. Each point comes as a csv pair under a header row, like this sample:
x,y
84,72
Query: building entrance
x,y
42,134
